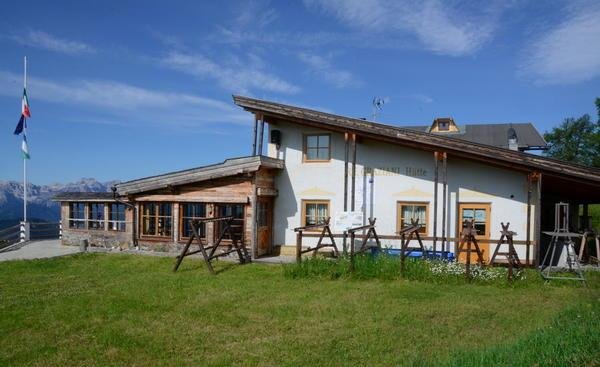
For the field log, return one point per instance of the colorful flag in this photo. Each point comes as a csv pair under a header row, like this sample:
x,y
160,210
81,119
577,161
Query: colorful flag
x,y
20,125
25,105
25,148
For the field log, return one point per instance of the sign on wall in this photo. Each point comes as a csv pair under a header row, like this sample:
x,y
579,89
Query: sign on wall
x,y
342,221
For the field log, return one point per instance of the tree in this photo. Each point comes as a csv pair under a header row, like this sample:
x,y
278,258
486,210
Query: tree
x,y
576,140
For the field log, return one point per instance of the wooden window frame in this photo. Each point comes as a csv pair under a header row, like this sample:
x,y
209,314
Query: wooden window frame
x,y
116,222
313,201
413,203
72,219
487,206
217,225
305,148
102,222
181,218
155,236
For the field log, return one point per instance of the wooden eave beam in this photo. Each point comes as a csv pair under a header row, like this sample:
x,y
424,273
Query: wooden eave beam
x,y
490,157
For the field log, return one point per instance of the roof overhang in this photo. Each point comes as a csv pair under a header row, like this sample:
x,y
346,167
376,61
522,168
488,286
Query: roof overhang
x,y
100,197
420,140
230,167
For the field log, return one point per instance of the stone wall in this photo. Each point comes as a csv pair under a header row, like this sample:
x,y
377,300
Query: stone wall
x,y
98,238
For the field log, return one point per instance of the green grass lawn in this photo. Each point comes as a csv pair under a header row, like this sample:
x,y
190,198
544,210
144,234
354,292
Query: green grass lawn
x,y
97,309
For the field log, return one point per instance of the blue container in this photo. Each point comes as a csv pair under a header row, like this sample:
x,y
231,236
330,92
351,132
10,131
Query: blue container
x,y
444,255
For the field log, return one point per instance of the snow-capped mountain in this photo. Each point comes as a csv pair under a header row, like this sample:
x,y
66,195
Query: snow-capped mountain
x,y
40,205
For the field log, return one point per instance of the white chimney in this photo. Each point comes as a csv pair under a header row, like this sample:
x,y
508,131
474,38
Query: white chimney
x,y
513,141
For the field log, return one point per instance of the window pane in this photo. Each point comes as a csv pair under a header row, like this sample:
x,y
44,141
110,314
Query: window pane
x,y
149,209
323,153
312,141
312,154
480,227
164,209
324,141
480,215
468,214
148,226
193,211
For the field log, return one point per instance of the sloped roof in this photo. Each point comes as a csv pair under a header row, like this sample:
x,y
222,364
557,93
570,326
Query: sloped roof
x,y
494,134
229,167
419,139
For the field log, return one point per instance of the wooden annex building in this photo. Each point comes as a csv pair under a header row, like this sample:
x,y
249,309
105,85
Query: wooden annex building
x,y
308,165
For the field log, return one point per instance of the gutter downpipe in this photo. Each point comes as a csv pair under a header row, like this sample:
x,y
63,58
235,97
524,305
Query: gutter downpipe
x,y
134,222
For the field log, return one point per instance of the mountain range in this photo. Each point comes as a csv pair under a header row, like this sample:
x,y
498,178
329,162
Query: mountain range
x,y
40,206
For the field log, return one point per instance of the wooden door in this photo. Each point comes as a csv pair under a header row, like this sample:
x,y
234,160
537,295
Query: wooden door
x,y
481,214
264,216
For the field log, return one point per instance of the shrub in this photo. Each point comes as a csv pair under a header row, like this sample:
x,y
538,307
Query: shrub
x,y
385,267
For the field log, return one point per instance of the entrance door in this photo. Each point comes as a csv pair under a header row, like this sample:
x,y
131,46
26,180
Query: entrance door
x,y
481,214
264,214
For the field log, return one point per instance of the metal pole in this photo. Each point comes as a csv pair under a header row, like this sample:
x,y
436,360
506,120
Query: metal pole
x,y
24,158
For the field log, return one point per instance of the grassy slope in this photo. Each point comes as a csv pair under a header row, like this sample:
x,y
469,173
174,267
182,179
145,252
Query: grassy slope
x,y
127,310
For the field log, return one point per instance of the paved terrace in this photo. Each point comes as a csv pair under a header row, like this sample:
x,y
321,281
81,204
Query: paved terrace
x,y
39,250
52,248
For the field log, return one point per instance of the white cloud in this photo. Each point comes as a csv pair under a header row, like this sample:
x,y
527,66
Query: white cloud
x,y
444,28
323,68
422,98
568,52
255,14
43,40
238,76
114,102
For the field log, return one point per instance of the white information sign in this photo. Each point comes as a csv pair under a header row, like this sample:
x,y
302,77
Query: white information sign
x,y
342,221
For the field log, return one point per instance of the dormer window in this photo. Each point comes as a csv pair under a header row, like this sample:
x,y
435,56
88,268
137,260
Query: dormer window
x,y
443,124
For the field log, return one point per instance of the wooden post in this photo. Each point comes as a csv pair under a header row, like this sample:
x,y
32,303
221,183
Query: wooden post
x,y
435,201
528,232
299,246
538,222
444,192
254,218
254,135
346,157
352,236
262,136
353,171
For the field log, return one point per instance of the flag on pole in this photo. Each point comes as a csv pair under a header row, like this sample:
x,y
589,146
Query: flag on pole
x,y
25,113
25,105
20,125
25,148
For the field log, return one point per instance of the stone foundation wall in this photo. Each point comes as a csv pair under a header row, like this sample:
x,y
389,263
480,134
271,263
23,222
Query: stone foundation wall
x,y
106,239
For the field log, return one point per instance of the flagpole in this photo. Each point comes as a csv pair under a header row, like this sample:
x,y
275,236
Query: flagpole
x,y
24,158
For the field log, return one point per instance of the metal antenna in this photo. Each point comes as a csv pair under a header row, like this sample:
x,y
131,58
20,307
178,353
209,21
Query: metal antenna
x,y
378,103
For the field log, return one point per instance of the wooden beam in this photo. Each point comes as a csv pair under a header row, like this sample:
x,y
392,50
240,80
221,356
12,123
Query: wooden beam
x,y
538,222
435,198
254,134
444,199
353,171
346,154
261,136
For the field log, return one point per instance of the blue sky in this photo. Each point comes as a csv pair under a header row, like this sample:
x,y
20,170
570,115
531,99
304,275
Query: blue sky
x,y
136,88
